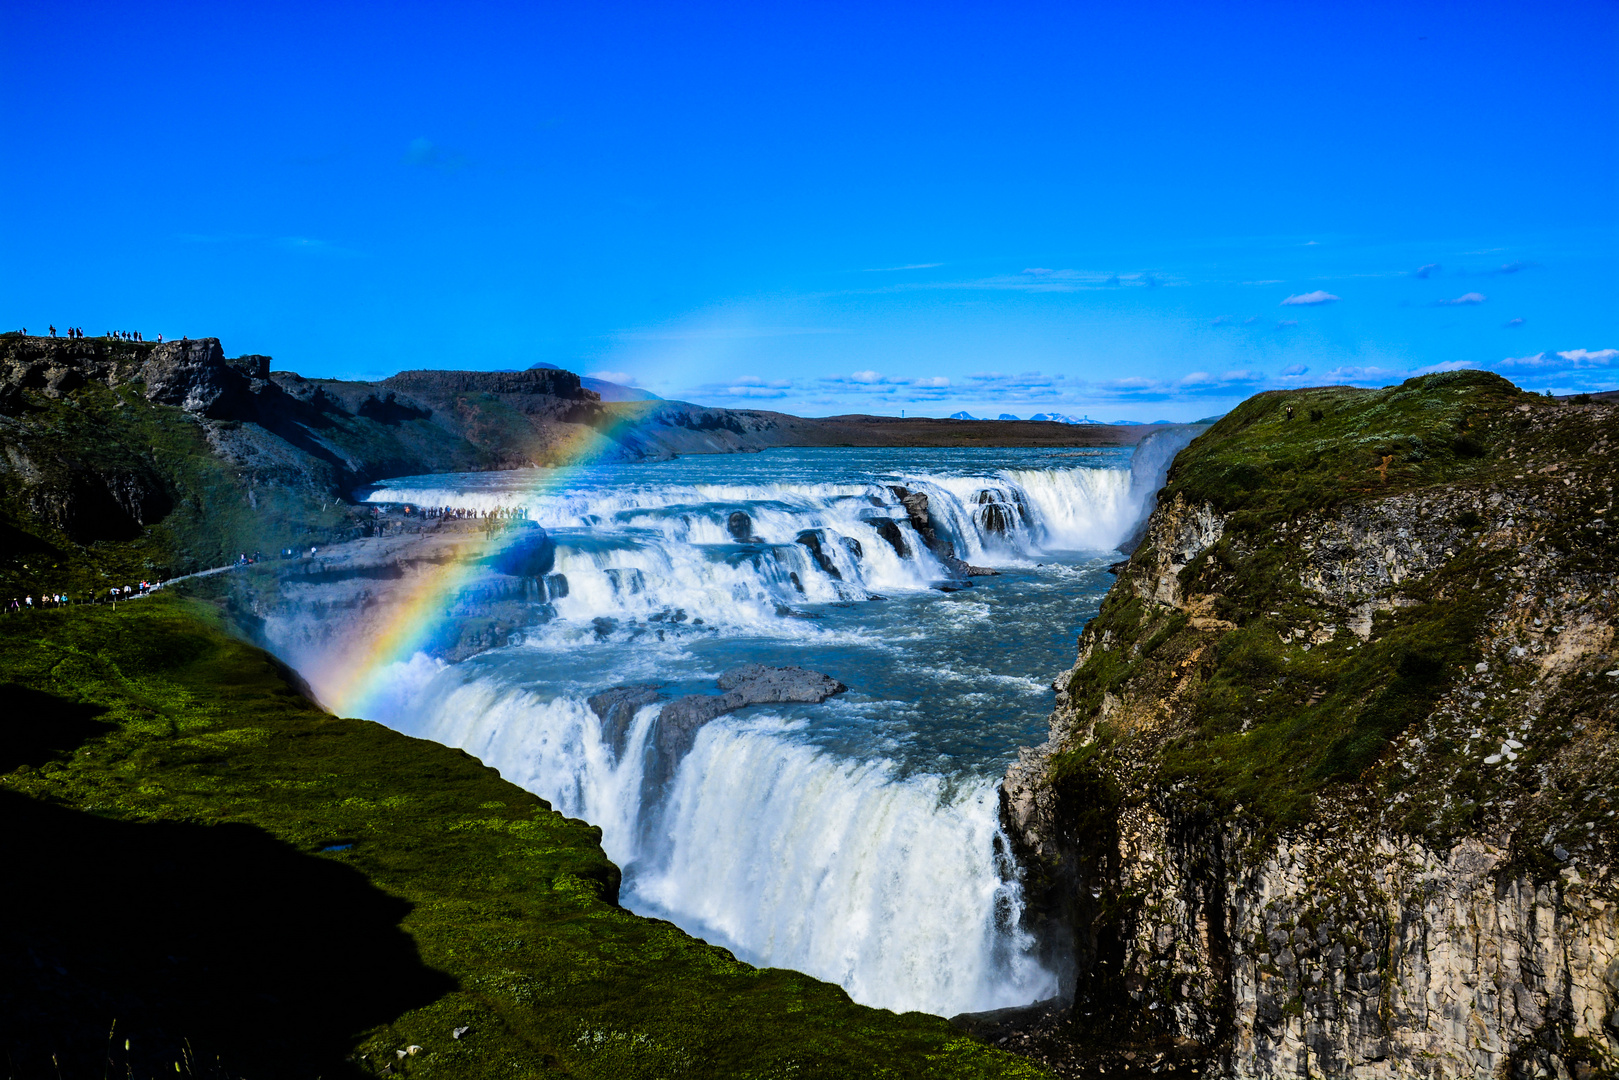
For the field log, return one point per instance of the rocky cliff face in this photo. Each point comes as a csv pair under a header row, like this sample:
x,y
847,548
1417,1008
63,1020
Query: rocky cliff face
x,y
1331,788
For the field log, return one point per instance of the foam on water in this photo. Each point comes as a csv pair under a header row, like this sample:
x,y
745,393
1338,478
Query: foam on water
x,y
858,840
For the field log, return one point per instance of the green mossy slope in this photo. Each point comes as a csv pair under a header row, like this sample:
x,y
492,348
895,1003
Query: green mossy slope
x,y
1250,689
202,863
81,463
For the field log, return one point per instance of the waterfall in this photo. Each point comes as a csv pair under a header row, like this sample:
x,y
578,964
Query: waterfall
x,y
891,887
742,557
857,840
895,887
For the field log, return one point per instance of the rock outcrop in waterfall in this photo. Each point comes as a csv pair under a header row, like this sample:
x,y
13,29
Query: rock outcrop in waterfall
x,y
1331,788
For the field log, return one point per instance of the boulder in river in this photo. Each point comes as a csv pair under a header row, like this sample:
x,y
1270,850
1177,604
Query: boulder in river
x,y
815,541
889,530
616,708
752,684
916,508
739,525
764,684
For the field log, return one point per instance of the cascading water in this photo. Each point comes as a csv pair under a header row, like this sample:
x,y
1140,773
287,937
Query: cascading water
x,y
857,840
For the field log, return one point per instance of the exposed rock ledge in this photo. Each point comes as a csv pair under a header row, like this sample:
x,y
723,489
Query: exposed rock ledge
x,y
679,721
1427,889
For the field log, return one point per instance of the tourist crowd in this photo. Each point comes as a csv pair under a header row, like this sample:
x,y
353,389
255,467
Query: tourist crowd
x,y
115,335
53,600
462,513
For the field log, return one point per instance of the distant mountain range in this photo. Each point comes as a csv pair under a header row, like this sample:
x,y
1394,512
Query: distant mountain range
x,y
1065,418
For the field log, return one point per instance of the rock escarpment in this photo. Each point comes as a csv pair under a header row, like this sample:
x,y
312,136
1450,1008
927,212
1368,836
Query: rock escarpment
x,y
1331,789
916,509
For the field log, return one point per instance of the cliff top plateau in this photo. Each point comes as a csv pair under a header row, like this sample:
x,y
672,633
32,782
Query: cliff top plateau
x,y
1331,788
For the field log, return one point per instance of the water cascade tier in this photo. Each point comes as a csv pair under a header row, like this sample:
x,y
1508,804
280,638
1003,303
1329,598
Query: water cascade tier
x,y
855,837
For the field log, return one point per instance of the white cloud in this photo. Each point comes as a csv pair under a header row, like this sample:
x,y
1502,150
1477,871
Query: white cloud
x,y
895,269
1320,296
1293,371
755,391
1357,374
1464,300
1587,358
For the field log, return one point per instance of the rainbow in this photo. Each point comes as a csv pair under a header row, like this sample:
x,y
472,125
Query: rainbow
x,y
358,677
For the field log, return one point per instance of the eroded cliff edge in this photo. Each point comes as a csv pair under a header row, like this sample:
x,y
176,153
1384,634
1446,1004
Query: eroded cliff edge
x,y
1331,788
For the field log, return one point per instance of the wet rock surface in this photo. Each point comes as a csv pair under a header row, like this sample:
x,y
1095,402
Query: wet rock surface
x,y
616,709
752,684
815,542
916,508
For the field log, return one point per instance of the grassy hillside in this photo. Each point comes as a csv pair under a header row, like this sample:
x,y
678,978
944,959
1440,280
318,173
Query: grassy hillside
x,y
109,489
239,884
1457,520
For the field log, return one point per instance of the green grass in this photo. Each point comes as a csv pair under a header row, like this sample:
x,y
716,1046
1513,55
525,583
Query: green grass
x,y
1267,724
169,808
204,512
1264,468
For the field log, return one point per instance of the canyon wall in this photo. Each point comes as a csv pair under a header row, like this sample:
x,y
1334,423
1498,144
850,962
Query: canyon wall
x,y
1330,790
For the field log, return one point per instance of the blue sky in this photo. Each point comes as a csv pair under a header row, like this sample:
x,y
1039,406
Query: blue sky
x,y
1129,211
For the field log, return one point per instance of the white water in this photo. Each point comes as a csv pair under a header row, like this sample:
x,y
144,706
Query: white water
x,y
858,840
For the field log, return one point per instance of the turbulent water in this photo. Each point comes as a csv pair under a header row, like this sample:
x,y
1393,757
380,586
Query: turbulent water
x,y
856,840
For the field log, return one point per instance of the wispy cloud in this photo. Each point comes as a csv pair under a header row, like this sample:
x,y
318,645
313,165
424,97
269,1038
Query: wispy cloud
x,y
1513,323
896,269
900,388
1426,270
1293,371
1283,324
1042,279
1572,359
309,245
1353,373
217,238
1309,299
1464,300
426,154
721,333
